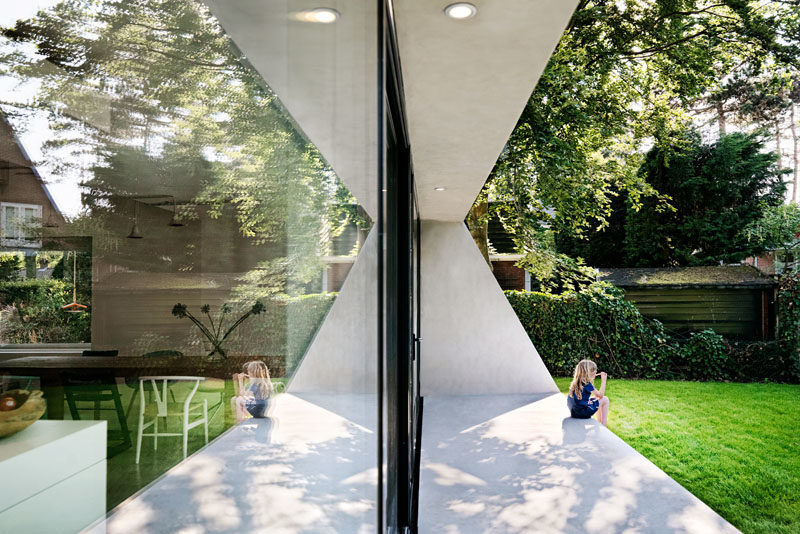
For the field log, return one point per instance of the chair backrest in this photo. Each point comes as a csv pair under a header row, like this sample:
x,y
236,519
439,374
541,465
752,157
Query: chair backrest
x,y
161,396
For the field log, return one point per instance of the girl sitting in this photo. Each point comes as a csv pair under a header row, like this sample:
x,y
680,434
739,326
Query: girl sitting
x,y
252,398
583,399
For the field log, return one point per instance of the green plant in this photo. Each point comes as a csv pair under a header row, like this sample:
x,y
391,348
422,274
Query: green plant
x,y
594,323
33,313
789,319
214,332
10,265
597,323
704,356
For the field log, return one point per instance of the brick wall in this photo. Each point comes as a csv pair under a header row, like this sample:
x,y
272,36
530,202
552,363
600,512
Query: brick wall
x,y
508,275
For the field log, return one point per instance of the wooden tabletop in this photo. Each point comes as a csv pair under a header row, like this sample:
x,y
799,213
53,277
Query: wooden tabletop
x,y
136,365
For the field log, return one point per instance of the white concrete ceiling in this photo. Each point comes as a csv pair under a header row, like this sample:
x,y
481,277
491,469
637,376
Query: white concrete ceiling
x,y
466,83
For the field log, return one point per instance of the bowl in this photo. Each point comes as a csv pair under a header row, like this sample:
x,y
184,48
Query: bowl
x,y
19,409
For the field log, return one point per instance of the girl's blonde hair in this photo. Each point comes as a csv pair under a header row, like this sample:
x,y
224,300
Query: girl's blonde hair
x,y
259,376
585,372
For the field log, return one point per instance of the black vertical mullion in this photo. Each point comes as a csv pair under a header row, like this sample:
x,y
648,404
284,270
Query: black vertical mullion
x,y
381,170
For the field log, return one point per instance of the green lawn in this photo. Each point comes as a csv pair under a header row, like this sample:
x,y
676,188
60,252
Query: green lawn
x,y
735,446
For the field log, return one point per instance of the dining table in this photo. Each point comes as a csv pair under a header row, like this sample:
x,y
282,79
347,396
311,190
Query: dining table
x,y
54,371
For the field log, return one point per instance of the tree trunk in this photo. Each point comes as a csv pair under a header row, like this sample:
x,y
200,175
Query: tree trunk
x,y
721,118
796,160
478,224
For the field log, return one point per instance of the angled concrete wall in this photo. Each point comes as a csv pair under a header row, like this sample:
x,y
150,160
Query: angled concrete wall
x,y
343,356
472,341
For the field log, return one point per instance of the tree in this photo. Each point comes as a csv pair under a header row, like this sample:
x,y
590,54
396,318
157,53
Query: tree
x,y
716,193
156,98
624,74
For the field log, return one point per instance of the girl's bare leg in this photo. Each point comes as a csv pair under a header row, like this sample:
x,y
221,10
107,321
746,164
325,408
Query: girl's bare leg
x,y
602,412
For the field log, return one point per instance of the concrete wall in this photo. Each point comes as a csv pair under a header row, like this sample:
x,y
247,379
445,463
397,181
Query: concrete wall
x,y
472,341
343,356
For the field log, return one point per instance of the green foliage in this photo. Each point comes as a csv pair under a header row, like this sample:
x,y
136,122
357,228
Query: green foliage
x,y
10,265
716,192
704,356
31,313
789,318
597,323
777,227
623,74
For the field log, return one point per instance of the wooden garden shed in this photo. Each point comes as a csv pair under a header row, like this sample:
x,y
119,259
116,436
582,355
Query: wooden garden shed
x,y
734,301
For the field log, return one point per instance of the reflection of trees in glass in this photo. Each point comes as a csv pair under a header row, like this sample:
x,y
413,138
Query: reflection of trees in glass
x,y
156,97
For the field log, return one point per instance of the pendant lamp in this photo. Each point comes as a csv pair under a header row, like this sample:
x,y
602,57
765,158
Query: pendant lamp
x,y
74,307
135,233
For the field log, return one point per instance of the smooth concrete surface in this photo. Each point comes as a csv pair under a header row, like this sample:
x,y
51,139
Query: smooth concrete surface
x,y
325,76
343,355
310,467
519,463
53,466
472,341
466,83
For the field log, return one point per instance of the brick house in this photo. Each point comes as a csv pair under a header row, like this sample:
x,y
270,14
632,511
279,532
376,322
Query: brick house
x,y
25,202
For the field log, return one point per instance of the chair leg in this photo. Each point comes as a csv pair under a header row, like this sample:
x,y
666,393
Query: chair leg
x,y
155,434
139,436
185,433
205,417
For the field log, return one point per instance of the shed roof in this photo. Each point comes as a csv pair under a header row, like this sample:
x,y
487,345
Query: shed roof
x,y
742,276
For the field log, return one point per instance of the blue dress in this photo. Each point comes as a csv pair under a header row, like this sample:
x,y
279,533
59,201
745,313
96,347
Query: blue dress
x,y
586,406
257,404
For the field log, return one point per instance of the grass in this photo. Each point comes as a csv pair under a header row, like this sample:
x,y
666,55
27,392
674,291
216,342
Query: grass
x,y
735,446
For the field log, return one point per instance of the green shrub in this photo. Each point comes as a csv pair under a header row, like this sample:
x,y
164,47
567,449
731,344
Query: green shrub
x,y
789,319
705,356
596,323
32,313
10,265
770,360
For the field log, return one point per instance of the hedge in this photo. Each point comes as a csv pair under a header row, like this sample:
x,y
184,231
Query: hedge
x,y
597,323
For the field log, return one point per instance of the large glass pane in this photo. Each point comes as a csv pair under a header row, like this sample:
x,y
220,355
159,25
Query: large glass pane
x,y
199,181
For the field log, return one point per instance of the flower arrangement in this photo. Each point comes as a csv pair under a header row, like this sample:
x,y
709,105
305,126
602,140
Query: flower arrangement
x,y
213,332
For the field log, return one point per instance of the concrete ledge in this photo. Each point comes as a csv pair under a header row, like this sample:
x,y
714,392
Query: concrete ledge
x,y
514,463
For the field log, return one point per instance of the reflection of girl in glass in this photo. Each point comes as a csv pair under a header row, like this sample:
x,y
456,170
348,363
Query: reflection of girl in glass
x,y
252,398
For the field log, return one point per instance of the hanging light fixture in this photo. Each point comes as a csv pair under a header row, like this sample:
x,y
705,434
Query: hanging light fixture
x,y
74,307
135,233
175,221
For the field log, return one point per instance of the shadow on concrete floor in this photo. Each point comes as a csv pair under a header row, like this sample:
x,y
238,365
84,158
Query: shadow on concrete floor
x,y
518,464
304,469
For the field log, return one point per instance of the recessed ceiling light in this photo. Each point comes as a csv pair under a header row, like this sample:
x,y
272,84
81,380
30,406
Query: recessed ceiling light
x,y
320,15
440,189
460,10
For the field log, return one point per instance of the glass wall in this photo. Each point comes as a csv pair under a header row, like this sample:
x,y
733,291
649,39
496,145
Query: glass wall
x,y
187,187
